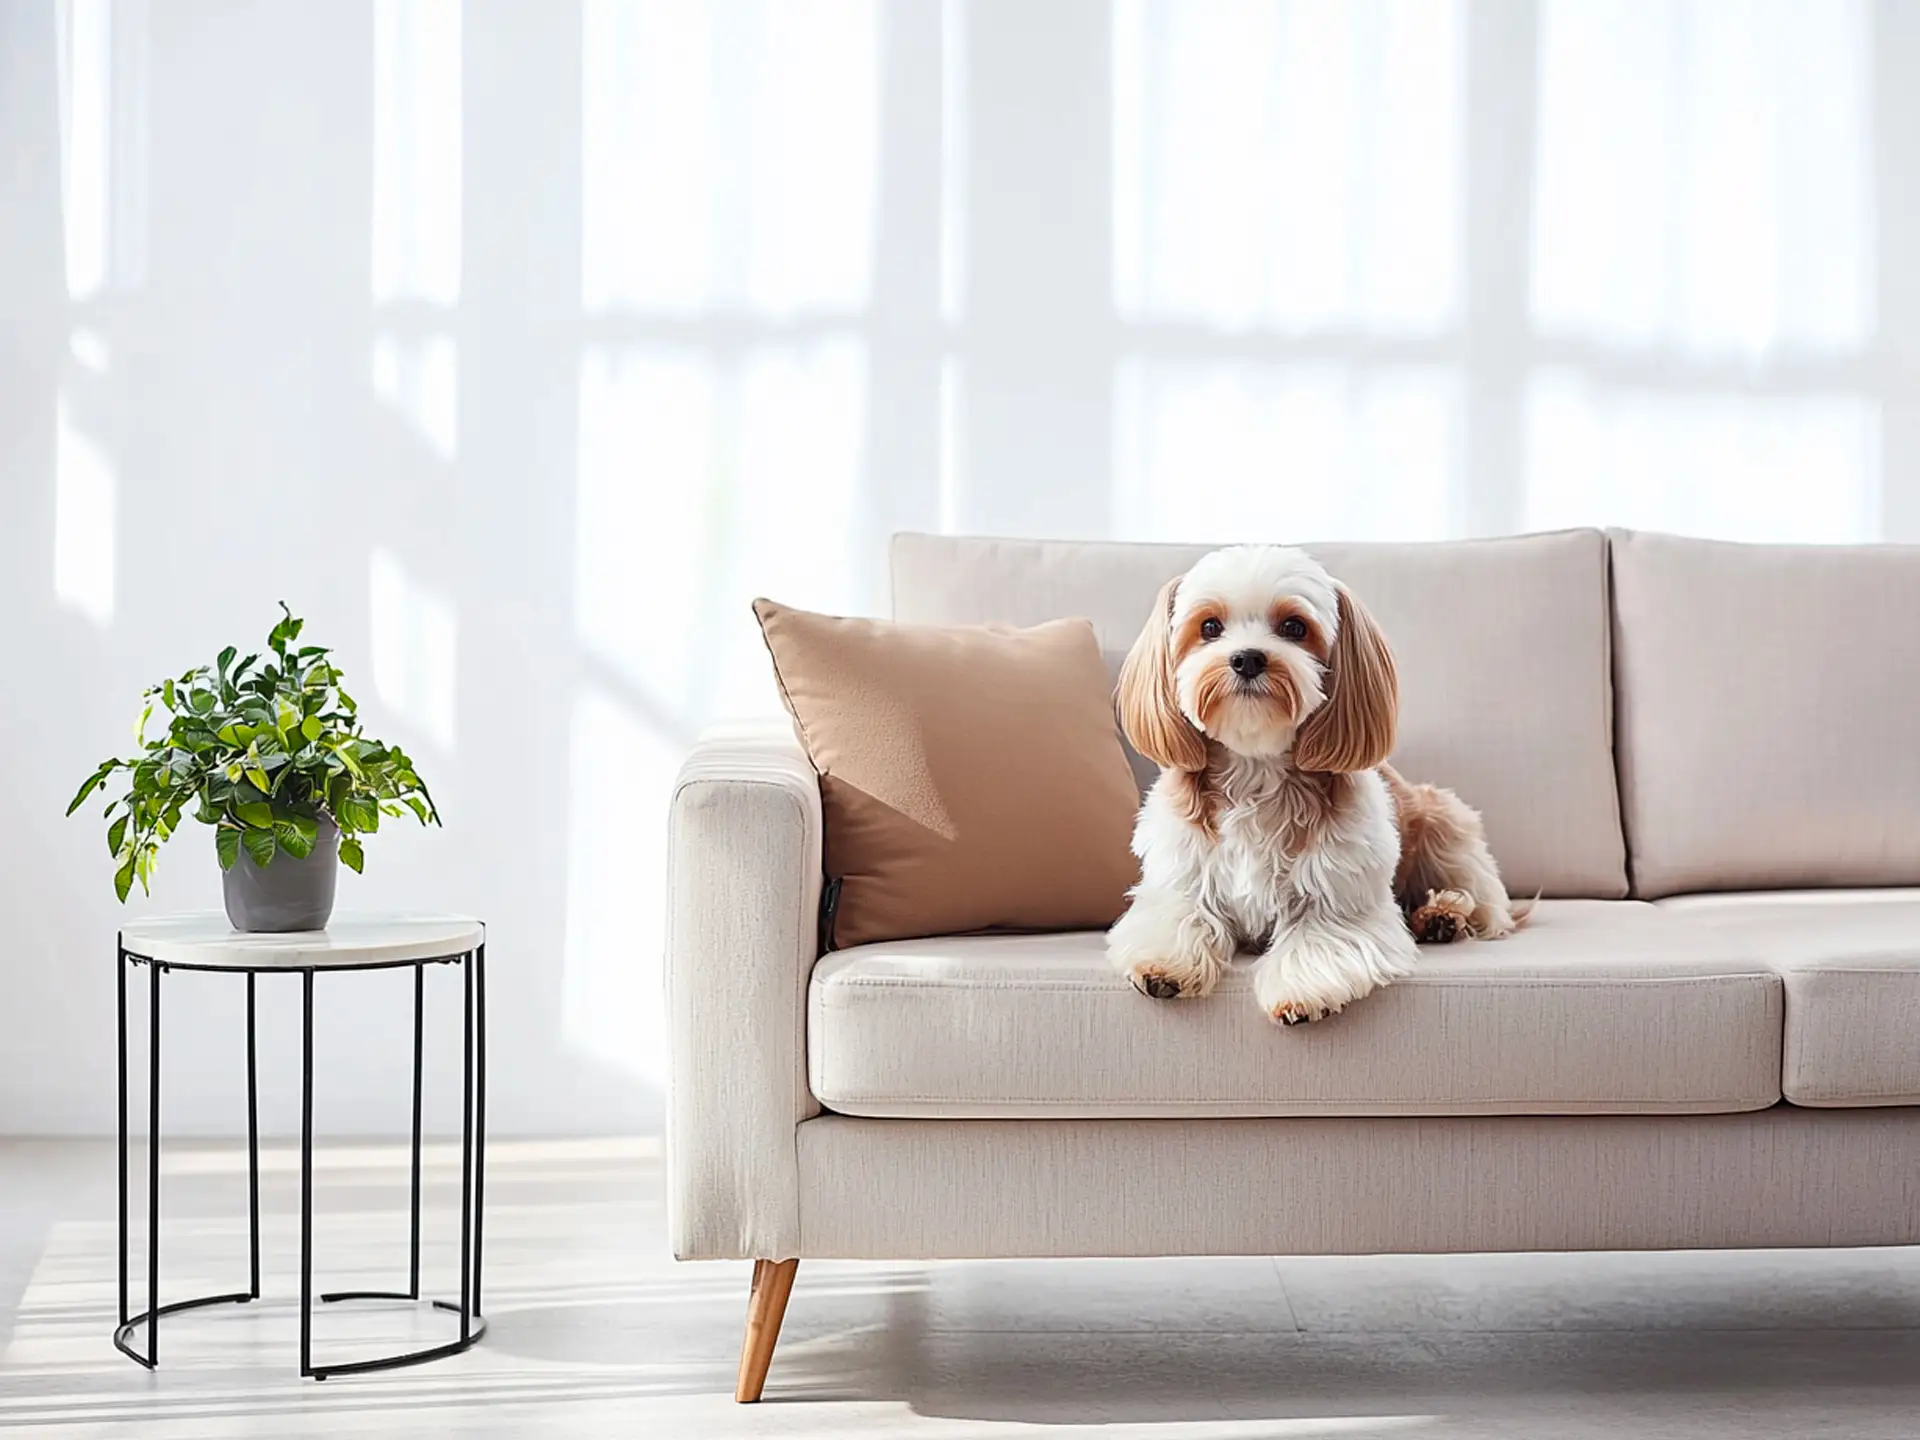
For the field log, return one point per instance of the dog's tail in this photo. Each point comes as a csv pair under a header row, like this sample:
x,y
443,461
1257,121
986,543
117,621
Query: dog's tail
x,y
1522,910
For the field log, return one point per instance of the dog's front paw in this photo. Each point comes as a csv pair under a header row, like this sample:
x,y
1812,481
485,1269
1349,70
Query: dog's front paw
x,y
1447,916
1168,948
1298,984
1294,1012
1165,981
1303,1003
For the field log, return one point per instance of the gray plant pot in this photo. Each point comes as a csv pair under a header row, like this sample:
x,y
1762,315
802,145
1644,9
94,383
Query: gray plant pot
x,y
288,894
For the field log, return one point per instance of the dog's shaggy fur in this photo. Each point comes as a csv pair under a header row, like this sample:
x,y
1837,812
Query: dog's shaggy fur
x,y
1267,695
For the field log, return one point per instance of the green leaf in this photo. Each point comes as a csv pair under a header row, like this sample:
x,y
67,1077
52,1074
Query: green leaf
x,y
259,845
140,726
226,659
226,844
311,727
258,779
116,832
351,855
201,702
296,835
419,810
359,813
257,814
93,783
286,631
166,691
123,879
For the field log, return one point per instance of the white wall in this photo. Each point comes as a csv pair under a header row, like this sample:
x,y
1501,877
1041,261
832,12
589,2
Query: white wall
x,y
519,345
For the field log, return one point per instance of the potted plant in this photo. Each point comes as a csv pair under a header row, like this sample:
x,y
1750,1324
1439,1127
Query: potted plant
x,y
271,754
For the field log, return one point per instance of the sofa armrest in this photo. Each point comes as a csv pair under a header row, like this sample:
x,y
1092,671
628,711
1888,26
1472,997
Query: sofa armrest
x,y
743,899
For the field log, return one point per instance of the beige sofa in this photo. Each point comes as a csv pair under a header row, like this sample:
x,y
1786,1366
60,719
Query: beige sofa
x,y
1706,758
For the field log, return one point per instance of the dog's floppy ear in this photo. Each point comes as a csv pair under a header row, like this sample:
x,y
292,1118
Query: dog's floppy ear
x,y
1148,696
1353,728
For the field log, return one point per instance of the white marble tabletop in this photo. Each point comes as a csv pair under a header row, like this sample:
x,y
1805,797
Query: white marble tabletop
x,y
206,941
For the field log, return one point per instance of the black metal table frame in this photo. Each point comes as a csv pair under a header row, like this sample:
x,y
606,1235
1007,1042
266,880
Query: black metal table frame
x,y
473,1162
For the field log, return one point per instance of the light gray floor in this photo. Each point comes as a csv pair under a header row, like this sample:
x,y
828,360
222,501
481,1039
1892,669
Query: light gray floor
x,y
596,1332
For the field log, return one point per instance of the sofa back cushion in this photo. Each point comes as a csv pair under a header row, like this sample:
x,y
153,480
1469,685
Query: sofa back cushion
x,y
1768,696
1505,691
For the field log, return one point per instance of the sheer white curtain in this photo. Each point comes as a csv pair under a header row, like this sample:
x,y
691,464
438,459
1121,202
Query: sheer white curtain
x,y
1287,267
1695,298
1702,258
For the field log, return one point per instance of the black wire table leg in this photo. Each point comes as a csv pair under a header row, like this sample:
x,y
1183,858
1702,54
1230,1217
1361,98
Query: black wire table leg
x,y
120,975
480,1119
253,1152
466,1158
306,1173
153,1174
413,1267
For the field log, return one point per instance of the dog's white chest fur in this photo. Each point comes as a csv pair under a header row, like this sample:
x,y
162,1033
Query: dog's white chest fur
x,y
1277,836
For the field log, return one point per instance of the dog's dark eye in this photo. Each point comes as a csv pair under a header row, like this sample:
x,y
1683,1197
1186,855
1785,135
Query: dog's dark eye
x,y
1211,629
1293,628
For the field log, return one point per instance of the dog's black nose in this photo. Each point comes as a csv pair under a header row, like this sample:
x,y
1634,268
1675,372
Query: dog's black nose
x,y
1248,663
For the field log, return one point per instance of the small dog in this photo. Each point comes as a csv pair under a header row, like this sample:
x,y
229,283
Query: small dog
x,y
1267,695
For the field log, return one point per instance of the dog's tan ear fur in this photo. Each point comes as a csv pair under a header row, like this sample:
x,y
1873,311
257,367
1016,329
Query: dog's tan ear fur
x,y
1149,698
1353,729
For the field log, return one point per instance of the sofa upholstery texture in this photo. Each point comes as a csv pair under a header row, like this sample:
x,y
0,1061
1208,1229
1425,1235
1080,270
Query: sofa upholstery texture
x,y
1709,1036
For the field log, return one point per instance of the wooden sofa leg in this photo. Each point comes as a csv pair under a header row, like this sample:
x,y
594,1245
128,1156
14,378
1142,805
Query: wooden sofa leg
x,y
766,1307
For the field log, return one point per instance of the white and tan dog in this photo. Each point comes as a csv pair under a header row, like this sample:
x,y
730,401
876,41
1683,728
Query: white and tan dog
x,y
1267,696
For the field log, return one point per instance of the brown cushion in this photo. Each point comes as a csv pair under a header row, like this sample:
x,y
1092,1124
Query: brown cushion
x,y
971,776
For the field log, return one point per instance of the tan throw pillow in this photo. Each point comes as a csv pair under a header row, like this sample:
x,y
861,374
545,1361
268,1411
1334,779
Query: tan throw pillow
x,y
972,776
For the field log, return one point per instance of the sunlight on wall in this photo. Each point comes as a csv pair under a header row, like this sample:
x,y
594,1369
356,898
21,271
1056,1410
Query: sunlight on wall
x,y
1289,164
1733,467
953,443
728,155
1284,452
414,633
83,521
87,105
417,380
648,498
612,1005
416,150
795,533
701,486
1704,175
953,160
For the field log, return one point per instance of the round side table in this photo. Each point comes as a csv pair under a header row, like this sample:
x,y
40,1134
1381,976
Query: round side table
x,y
208,942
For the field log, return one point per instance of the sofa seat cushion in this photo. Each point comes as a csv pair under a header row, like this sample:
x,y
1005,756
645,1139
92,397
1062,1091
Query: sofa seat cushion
x,y
1850,960
1597,1007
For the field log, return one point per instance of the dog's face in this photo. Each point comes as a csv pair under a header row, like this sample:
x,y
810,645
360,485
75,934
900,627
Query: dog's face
x,y
1256,647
